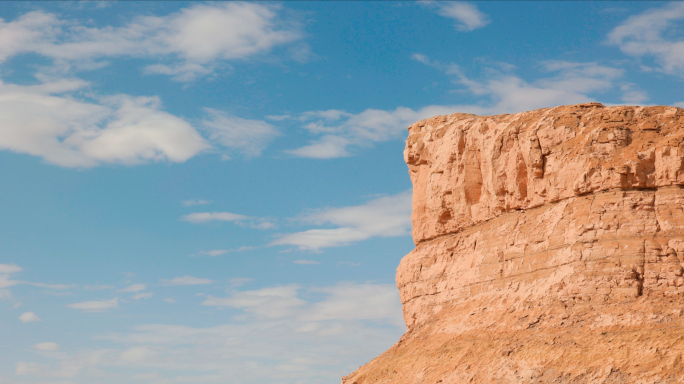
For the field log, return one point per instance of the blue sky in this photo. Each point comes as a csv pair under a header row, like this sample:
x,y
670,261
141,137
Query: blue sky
x,y
216,192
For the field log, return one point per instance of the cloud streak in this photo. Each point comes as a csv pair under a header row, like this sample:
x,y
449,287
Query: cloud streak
x,y
466,15
241,220
186,280
388,216
95,306
29,317
249,137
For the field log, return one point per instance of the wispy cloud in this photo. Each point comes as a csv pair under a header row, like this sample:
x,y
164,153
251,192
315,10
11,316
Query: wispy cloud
x,y
203,217
188,43
134,288
214,252
48,346
145,295
219,252
337,132
280,330
29,317
52,286
382,217
249,137
502,91
186,280
97,287
653,34
241,220
95,306
7,269
269,302
343,301
190,203
306,262
467,16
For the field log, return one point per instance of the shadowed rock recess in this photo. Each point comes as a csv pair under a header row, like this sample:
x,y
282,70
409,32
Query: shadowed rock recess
x,y
549,249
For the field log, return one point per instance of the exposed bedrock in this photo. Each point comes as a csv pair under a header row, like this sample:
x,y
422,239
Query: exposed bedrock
x,y
549,249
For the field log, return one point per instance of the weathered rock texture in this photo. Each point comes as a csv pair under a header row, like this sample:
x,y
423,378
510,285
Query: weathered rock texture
x,y
549,249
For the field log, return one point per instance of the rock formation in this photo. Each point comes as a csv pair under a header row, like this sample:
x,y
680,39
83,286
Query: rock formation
x,y
549,249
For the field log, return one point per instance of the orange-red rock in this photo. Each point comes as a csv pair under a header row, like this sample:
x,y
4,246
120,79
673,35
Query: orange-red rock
x,y
549,249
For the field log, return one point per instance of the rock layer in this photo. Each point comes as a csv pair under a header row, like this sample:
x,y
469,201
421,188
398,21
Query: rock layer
x,y
549,249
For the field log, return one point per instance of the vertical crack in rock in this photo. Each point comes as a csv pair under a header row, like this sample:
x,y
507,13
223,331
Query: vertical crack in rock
x,y
549,249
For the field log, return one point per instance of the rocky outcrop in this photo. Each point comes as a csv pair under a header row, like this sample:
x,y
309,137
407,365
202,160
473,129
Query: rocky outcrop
x,y
549,249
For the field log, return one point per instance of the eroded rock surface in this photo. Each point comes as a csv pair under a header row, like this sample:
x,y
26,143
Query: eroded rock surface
x,y
549,249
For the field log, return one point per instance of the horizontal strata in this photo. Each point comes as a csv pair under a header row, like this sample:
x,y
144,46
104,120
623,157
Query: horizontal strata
x,y
602,248
468,169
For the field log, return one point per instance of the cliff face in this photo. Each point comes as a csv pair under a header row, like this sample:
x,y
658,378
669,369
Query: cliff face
x,y
549,249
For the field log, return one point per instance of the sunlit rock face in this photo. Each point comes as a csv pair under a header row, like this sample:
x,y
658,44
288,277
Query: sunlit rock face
x,y
549,249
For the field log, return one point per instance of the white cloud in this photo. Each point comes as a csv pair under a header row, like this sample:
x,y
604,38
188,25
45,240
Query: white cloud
x,y
344,301
327,147
52,286
348,301
219,252
41,120
504,92
49,346
97,287
653,33
7,269
633,95
186,280
215,252
134,288
680,104
383,217
273,302
283,334
238,281
6,294
306,262
29,317
96,306
188,43
279,117
466,15
190,203
241,220
249,137
170,300
363,129
23,368
137,354
203,217
498,92
139,296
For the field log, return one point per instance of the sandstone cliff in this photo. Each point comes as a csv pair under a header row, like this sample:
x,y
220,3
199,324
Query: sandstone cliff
x,y
549,249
